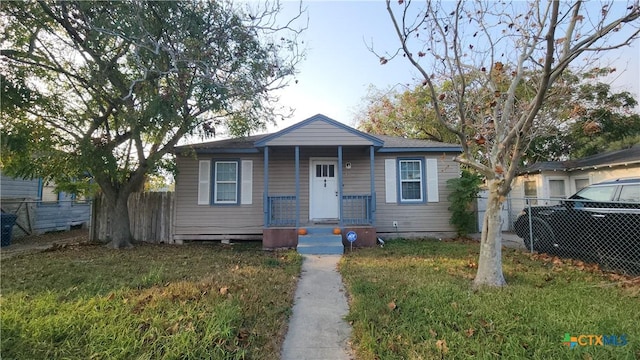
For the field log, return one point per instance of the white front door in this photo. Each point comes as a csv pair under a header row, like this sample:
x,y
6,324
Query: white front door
x,y
323,190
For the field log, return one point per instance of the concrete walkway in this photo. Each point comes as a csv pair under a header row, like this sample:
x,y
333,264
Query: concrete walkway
x,y
317,330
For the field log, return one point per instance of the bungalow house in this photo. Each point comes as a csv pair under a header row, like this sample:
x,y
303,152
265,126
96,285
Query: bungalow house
x,y
548,180
40,208
316,174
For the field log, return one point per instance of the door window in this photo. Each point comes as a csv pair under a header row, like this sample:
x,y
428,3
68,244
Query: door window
x,y
325,170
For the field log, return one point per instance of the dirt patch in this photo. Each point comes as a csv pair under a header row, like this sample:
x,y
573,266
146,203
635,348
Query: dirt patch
x,y
42,242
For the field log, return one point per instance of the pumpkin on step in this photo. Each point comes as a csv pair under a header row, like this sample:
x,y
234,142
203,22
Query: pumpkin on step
x,y
337,231
302,231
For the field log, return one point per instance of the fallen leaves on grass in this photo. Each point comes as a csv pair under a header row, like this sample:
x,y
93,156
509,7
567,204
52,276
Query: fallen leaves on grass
x,y
392,305
442,346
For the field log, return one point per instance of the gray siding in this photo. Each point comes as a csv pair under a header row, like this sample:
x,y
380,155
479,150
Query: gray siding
x,y
415,218
61,216
308,135
194,221
18,188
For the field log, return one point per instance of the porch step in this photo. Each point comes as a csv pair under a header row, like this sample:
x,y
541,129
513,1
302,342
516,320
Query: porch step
x,y
320,243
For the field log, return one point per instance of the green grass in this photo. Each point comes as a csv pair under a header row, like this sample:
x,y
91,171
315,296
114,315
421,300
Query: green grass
x,y
151,302
413,300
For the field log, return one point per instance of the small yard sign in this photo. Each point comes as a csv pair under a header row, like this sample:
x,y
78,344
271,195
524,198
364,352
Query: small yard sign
x,y
352,236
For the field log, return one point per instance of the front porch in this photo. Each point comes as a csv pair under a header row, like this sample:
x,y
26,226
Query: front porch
x,y
283,225
325,198
317,182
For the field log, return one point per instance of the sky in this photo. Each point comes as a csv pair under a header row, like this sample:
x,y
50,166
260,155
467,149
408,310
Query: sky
x,y
339,68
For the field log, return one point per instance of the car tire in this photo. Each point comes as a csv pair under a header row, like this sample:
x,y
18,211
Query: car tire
x,y
543,237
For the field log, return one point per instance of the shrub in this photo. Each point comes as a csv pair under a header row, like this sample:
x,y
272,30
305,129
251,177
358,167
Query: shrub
x,y
464,191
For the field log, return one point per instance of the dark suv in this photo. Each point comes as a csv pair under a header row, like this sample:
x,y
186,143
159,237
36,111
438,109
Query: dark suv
x,y
599,223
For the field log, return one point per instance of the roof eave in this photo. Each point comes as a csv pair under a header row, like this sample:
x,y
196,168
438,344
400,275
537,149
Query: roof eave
x,y
420,149
186,150
597,166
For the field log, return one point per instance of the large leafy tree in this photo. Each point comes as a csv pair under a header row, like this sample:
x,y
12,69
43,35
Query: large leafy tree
x,y
597,120
406,114
501,62
583,117
106,89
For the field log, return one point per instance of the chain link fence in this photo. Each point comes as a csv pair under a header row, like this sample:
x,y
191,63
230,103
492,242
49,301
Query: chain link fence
x,y
607,233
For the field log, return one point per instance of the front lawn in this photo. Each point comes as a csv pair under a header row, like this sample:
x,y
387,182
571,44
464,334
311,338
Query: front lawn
x,y
413,300
151,302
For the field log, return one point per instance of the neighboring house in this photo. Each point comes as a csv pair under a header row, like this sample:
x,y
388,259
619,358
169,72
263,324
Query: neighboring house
x,y
318,172
560,179
40,208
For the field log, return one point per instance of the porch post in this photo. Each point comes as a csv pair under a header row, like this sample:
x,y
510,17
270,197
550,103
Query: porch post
x,y
373,185
340,183
297,186
265,185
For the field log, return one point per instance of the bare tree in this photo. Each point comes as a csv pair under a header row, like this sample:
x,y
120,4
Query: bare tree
x,y
490,68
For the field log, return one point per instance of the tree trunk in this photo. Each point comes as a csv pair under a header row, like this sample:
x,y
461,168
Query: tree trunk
x,y
119,226
490,261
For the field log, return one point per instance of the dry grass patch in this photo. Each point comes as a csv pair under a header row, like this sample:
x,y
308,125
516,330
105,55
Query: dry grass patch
x,y
150,302
413,300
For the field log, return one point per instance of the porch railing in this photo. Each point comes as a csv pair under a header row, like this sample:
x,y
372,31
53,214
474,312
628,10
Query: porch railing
x,y
282,210
357,210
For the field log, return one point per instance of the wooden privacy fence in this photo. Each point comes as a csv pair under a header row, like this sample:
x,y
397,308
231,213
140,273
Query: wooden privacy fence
x,y
150,215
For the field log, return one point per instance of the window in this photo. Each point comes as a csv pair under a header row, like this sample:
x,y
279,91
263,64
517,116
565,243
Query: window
x,y
556,189
411,180
225,182
630,193
48,193
79,199
531,191
581,184
596,193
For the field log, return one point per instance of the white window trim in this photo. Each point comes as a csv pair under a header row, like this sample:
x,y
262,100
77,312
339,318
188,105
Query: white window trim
x,y
216,182
548,186
51,186
420,181
573,185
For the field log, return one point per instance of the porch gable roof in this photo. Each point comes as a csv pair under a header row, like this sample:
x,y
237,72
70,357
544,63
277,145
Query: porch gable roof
x,y
319,130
